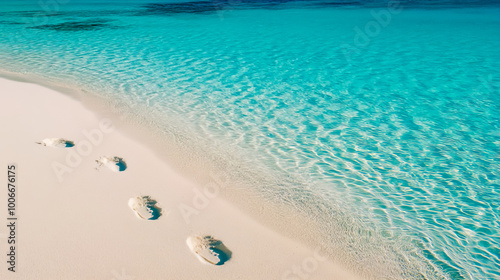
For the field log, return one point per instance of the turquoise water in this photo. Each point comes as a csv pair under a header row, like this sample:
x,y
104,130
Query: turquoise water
x,y
395,121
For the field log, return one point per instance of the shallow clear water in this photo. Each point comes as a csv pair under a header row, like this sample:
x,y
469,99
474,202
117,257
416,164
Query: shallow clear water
x,y
397,120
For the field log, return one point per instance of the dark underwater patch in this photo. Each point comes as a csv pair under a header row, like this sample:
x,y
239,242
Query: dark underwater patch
x,y
87,25
201,7
209,7
336,3
31,14
10,22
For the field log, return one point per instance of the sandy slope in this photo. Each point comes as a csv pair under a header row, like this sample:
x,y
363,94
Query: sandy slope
x,y
74,223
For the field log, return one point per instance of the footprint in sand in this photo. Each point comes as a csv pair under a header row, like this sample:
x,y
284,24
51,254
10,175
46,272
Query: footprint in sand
x,y
56,142
145,207
116,164
208,249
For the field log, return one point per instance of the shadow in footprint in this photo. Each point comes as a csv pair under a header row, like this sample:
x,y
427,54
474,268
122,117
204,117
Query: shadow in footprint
x,y
224,253
145,207
154,209
121,165
56,142
116,164
208,249
69,144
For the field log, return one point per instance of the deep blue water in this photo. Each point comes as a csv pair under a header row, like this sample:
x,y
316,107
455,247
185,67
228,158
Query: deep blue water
x,y
390,111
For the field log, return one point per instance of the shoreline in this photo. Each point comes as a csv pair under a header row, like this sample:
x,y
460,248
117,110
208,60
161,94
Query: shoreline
x,y
78,113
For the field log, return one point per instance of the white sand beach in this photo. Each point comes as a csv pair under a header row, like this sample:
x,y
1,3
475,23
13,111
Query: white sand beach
x,y
74,221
